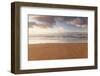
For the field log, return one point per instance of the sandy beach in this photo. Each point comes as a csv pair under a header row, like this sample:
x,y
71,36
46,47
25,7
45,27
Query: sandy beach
x,y
51,51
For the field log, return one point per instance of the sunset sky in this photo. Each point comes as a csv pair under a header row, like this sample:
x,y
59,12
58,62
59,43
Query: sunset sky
x,y
39,24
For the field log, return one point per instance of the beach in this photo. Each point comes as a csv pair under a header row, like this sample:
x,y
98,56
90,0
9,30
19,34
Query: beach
x,y
52,51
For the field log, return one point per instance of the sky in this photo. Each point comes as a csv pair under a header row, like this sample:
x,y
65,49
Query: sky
x,y
40,24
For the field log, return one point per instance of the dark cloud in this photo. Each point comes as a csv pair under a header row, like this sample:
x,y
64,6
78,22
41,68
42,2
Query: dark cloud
x,y
76,20
50,21
43,25
84,20
31,24
60,18
42,21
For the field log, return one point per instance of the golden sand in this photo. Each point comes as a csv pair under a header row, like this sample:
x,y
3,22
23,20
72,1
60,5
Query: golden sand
x,y
57,51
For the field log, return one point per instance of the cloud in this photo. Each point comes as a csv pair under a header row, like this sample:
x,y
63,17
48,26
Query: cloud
x,y
46,19
42,21
77,21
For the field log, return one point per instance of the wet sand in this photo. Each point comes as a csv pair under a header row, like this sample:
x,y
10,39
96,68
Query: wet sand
x,y
57,51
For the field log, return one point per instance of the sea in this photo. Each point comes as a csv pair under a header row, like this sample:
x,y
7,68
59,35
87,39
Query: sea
x,y
59,38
